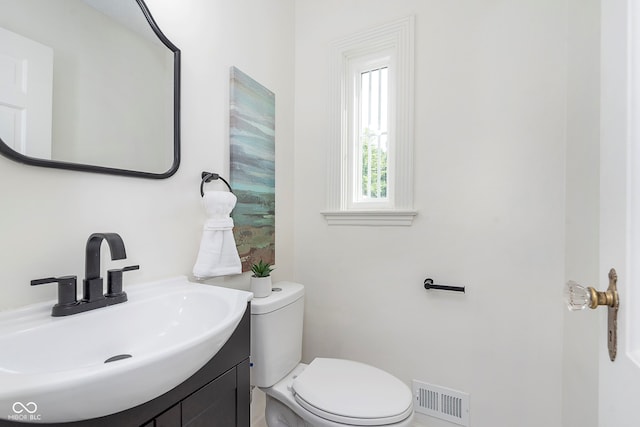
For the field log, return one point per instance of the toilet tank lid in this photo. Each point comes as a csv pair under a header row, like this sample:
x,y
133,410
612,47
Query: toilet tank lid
x,y
283,294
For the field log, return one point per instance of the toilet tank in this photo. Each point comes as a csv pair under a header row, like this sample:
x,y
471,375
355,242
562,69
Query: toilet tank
x,y
276,333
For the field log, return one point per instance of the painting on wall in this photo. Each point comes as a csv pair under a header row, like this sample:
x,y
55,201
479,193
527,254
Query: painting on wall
x,y
252,146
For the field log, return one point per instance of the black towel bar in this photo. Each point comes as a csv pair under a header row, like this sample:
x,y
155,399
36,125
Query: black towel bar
x,y
428,284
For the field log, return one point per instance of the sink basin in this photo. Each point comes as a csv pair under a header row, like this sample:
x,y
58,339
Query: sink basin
x,y
56,369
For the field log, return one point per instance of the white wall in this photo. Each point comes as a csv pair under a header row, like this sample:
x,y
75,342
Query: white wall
x,y
48,214
582,343
490,134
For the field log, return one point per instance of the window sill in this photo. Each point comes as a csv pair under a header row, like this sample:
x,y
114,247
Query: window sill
x,y
401,218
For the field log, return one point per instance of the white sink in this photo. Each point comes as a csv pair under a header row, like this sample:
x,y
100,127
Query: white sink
x,y
52,369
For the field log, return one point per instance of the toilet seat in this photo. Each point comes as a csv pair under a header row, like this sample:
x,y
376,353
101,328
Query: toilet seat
x,y
352,393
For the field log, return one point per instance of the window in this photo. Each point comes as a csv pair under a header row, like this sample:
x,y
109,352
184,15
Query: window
x,y
371,147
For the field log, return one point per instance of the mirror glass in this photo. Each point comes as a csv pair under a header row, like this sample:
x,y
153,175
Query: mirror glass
x,y
89,85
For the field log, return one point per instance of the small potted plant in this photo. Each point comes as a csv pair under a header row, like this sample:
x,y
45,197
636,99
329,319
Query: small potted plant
x,y
261,279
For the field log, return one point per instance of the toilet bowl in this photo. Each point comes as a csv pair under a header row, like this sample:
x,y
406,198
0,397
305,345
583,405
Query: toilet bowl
x,y
325,393
328,404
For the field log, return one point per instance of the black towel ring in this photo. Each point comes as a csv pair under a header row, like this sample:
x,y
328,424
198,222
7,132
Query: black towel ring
x,y
210,176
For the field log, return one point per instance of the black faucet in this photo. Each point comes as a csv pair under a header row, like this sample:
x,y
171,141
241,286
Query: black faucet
x,y
93,295
92,289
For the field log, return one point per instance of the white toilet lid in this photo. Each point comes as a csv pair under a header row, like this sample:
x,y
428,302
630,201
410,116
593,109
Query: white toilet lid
x,y
352,393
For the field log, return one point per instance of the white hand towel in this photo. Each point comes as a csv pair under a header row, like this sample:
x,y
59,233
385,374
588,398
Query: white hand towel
x,y
218,255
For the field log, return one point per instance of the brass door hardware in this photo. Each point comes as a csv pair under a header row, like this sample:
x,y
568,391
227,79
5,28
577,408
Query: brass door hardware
x,y
578,297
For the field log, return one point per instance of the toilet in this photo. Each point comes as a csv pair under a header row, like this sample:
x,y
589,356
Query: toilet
x,y
325,393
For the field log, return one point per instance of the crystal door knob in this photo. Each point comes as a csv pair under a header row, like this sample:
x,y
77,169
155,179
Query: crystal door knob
x,y
577,297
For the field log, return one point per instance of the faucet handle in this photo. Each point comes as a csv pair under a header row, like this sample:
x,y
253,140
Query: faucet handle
x,y
46,280
114,283
67,292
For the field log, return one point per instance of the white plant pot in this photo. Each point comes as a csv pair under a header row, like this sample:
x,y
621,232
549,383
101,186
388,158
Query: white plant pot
x,y
260,286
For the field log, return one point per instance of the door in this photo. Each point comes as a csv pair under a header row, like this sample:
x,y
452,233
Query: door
x,y
619,388
26,90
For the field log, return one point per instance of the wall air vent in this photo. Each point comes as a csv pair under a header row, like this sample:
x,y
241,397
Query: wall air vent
x,y
441,402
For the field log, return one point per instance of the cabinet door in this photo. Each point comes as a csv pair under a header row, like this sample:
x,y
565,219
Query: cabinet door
x,y
170,418
243,395
214,405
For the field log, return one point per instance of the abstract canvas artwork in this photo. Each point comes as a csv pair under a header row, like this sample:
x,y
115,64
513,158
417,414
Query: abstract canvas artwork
x,y
252,142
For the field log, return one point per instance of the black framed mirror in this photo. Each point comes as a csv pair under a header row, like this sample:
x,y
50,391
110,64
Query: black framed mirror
x,y
111,78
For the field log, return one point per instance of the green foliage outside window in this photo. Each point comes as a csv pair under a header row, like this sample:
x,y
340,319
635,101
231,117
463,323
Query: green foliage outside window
x,y
374,167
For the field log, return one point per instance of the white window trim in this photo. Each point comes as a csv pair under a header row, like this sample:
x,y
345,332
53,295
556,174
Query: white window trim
x,y
397,39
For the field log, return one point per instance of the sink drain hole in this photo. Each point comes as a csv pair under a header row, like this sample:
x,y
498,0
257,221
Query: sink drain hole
x,y
118,357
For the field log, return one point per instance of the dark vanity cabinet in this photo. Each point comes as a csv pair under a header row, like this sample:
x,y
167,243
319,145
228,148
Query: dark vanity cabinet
x,y
218,395
214,405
